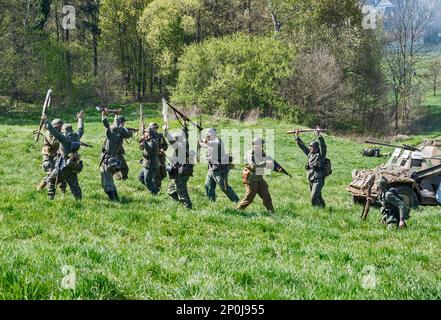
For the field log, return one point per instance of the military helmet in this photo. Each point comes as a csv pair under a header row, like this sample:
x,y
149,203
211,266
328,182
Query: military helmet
x,y
57,123
382,183
314,144
120,119
153,125
67,127
151,131
211,132
258,141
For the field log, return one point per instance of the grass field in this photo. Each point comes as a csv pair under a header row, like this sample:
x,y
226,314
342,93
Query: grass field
x,y
151,248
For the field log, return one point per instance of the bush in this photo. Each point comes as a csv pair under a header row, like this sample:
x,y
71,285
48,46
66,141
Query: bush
x,y
233,75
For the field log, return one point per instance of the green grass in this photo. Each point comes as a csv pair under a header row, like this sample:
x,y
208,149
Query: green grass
x,y
151,248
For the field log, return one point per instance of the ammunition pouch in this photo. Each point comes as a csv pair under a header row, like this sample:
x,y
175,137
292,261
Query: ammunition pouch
x,y
74,166
113,163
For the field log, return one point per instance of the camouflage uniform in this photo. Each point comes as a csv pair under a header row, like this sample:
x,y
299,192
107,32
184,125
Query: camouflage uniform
x,y
150,163
180,170
393,208
49,152
112,157
256,162
315,169
218,170
67,163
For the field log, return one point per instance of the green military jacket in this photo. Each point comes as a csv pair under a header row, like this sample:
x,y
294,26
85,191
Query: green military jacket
x,y
390,201
50,145
115,138
256,163
150,153
316,161
162,142
68,139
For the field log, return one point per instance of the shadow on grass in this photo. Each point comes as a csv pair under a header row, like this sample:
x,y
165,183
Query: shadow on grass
x,y
244,213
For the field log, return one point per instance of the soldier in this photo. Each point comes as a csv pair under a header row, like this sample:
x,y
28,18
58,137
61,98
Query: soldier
x,y
218,167
394,211
256,161
150,162
67,163
315,167
161,173
112,157
180,169
49,151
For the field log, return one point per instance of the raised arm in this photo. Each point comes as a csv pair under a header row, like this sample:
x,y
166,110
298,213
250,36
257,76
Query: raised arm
x,y
80,126
302,145
57,134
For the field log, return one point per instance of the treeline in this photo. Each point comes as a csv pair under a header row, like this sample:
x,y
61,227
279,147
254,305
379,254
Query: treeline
x,y
309,60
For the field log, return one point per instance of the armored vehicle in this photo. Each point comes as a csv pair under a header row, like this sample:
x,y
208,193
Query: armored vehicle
x,y
415,172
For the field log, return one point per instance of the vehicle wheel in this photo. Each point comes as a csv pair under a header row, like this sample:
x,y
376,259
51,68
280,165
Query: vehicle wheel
x,y
409,196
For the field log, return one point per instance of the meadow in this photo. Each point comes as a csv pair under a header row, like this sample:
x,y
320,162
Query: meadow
x,y
151,248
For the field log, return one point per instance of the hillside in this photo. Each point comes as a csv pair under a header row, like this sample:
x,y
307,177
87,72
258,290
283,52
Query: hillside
x,y
150,248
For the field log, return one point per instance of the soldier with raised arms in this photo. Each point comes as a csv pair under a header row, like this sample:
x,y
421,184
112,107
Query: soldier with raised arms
x,y
112,157
68,162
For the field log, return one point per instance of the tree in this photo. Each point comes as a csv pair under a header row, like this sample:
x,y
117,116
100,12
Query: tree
x,y
316,88
433,75
405,50
234,75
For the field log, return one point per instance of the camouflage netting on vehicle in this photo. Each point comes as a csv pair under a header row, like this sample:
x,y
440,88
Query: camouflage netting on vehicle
x,y
360,183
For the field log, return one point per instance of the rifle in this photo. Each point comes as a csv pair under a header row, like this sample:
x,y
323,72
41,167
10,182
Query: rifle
x,y
198,146
367,206
404,146
46,104
305,130
183,116
141,123
83,144
102,108
279,168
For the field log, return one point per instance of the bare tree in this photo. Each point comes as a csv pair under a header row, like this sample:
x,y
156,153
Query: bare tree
x,y
405,29
316,88
433,75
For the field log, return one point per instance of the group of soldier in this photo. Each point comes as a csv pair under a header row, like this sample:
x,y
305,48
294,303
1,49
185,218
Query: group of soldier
x,y
62,164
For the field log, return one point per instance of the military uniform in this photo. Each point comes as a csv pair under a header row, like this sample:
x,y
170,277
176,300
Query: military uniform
x,y
150,163
49,152
161,173
256,162
180,170
218,170
112,157
393,208
315,169
67,163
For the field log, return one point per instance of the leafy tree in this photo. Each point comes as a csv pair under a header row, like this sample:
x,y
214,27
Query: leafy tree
x,y
234,75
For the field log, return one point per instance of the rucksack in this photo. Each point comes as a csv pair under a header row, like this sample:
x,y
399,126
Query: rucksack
x,y
327,169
